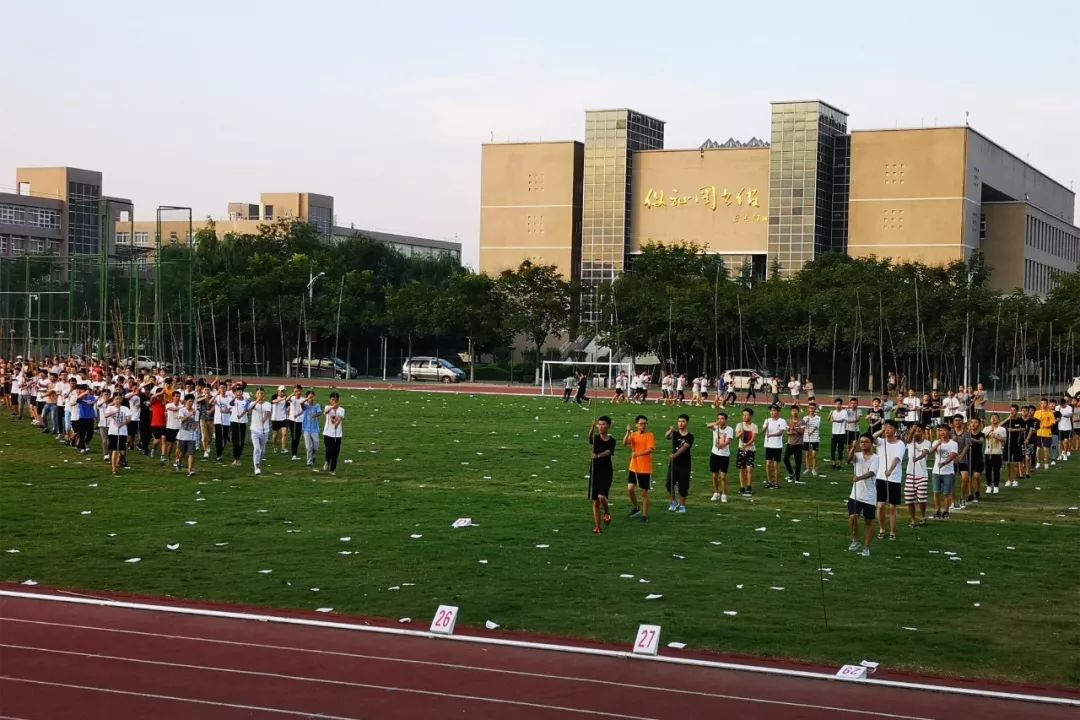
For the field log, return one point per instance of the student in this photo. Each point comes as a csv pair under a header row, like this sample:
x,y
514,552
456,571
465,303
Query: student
x,y
962,438
333,431
774,428
223,403
278,423
950,406
915,489
260,413
1045,433
568,387
682,440
172,427
794,389
295,417
945,452
875,417
620,389
204,410
238,423
86,414
774,390
812,437
911,406
188,416
997,438
310,421
976,459
104,400
890,451
863,495
794,447
704,399
635,388
934,403
695,392
851,421
979,401
582,384
116,419
1065,428
1027,413
642,444
838,421
730,398
667,387
746,431
601,470
808,386
751,387
720,456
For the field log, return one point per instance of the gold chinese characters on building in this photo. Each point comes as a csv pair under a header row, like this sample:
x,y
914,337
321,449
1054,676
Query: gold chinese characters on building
x,y
708,197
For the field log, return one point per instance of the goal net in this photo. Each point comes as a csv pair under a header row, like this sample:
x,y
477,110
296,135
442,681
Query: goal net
x,y
600,374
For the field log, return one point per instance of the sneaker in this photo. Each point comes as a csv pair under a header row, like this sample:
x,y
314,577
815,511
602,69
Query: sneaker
x,y
1052,462
191,473
682,509
673,506
635,512
645,519
723,498
945,515
854,546
294,457
865,552
813,473
258,472
975,499
236,463
937,515
325,466
206,455
715,497
607,518
749,492
742,491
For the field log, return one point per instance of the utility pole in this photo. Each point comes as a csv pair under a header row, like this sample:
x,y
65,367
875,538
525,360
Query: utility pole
x,y
311,296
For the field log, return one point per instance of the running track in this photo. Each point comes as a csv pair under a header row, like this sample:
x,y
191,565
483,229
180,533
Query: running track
x,y
61,660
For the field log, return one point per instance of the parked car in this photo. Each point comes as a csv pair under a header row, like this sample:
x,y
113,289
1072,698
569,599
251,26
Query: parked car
x,y
1074,389
342,369
142,362
431,368
740,378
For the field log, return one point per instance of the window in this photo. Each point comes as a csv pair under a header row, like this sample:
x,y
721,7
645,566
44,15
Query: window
x,y
17,246
12,215
36,246
268,212
141,239
122,238
3,244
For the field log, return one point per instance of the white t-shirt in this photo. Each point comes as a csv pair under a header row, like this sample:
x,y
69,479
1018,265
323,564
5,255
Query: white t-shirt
x,y
729,433
116,420
334,419
795,387
917,468
296,408
950,406
888,452
746,427
680,384
620,383
277,412
704,385
186,423
942,451
865,491
811,429
912,404
852,420
774,432
172,416
696,385
838,418
135,403
240,410
261,413
1065,423
222,410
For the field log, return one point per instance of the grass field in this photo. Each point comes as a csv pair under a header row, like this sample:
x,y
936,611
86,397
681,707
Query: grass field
x,y
517,467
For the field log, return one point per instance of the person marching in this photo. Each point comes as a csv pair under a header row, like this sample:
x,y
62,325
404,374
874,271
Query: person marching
x,y
863,497
720,456
188,417
746,431
261,413
332,432
601,470
642,444
679,465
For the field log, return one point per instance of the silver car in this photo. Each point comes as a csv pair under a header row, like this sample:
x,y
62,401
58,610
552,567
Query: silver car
x,y
431,369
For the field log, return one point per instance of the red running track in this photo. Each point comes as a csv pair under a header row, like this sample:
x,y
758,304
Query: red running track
x,y
59,660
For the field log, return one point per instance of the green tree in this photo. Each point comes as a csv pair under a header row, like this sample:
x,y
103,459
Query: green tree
x,y
538,303
472,306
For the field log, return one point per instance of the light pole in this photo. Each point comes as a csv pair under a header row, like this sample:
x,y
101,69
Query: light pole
x,y
30,297
311,295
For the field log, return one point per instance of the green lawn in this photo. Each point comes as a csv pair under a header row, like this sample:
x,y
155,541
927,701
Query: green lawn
x,y
517,467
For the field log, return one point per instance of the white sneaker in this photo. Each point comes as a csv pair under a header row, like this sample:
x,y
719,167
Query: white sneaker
x,y
813,473
258,472
854,546
723,498
294,458
715,497
1053,462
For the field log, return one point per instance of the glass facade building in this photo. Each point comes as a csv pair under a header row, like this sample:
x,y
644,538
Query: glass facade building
x,y
611,139
809,168
84,221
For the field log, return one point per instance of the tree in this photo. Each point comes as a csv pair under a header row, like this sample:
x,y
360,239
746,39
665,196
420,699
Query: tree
x,y
410,311
538,303
472,305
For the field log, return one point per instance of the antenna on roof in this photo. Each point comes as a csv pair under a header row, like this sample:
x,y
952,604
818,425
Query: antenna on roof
x,y
492,136
967,116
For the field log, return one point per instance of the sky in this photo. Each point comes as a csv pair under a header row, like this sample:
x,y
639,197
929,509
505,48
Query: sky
x,y
385,105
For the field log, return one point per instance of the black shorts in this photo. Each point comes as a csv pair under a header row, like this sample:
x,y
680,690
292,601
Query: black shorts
x,y
773,454
811,446
1065,434
962,467
888,492
679,477
977,463
600,484
279,424
704,394
117,443
1046,441
852,436
855,507
157,432
170,434
642,480
745,459
719,463
1013,454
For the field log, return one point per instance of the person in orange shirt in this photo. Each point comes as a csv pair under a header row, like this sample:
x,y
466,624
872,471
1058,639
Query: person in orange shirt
x,y
1045,433
642,443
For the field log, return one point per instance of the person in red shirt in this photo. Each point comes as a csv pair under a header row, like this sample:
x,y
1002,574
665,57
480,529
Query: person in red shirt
x,y
157,420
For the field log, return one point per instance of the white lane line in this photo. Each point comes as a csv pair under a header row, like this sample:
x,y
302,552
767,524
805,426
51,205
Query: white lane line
x,y
324,681
458,666
155,696
530,645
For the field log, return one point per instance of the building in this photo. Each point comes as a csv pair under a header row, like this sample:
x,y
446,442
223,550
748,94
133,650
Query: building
x,y
932,195
59,211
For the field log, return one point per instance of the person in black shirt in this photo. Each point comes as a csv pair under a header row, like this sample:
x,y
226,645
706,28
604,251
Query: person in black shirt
x,y
935,408
1016,428
876,417
600,470
582,384
1032,426
679,467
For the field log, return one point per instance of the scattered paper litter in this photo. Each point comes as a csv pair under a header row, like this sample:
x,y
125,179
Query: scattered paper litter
x,y
86,512
956,558
133,560
29,582
870,665
12,550
543,546
394,587
220,544
112,534
345,539
1009,547
92,485
739,586
405,620
796,520
715,542
191,522
314,589
172,546
760,529
806,554
949,552
482,562
643,580
732,613
977,604
906,627
974,582
416,536
676,645
679,557
626,576
345,552
265,572
653,596
491,625
324,610
461,522
776,587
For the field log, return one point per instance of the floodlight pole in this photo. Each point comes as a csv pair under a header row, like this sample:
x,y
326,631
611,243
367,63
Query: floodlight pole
x,y
311,296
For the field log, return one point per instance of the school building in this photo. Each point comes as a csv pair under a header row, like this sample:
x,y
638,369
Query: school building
x,y
922,194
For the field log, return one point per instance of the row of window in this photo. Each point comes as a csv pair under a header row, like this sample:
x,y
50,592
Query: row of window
x,y
15,245
1056,241
142,239
1039,278
32,216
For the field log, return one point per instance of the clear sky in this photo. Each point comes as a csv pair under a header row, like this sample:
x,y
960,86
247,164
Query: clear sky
x,y
385,105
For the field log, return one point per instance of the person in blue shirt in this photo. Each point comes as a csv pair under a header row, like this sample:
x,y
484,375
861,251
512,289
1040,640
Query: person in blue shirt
x,y
87,412
312,412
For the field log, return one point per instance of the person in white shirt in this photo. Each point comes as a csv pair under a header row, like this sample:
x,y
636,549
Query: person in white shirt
x,y
222,403
863,497
172,429
746,433
945,451
238,423
851,422
950,406
568,387
695,391
621,383
812,437
720,456
294,413
261,413
188,417
838,421
116,420
704,399
890,477
279,424
332,433
774,428
916,488
680,389
794,389
105,398
1065,411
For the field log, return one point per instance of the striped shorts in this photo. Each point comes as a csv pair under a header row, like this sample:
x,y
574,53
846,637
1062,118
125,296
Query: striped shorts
x,y
915,490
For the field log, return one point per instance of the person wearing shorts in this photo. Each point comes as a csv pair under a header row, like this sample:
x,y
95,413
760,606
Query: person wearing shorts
x,y
720,456
812,437
746,432
116,422
1016,431
601,470
838,419
1045,433
863,495
775,427
976,459
945,452
642,444
962,438
890,476
188,416
678,482
916,491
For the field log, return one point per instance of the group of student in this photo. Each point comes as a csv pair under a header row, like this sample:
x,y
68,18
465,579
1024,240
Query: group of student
x,y
172,418
634,388
900,457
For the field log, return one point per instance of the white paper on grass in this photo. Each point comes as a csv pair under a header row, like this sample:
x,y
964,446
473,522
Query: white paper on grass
x,y
491,625
676,645
345,552
483,562
739,586
345,539
905,627
626,576
974,582
220,544
191,522
776,587
461,522
394,587
172,546
314,589
715,542
29,582
324,609
806,554
86,512
265,572
12,550
653,596
405,620
416,536
678,557
643,580
760,529
133,560
542,546
731,613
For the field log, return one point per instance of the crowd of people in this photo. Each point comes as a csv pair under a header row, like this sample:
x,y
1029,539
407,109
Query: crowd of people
x,y
908,451
171,418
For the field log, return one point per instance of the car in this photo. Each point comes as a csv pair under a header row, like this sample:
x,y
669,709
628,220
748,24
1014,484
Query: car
x,y
142,362
740,378
1074,389
431,368
342,369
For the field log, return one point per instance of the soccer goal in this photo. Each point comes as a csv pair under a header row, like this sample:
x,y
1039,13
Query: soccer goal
x,y
553,372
